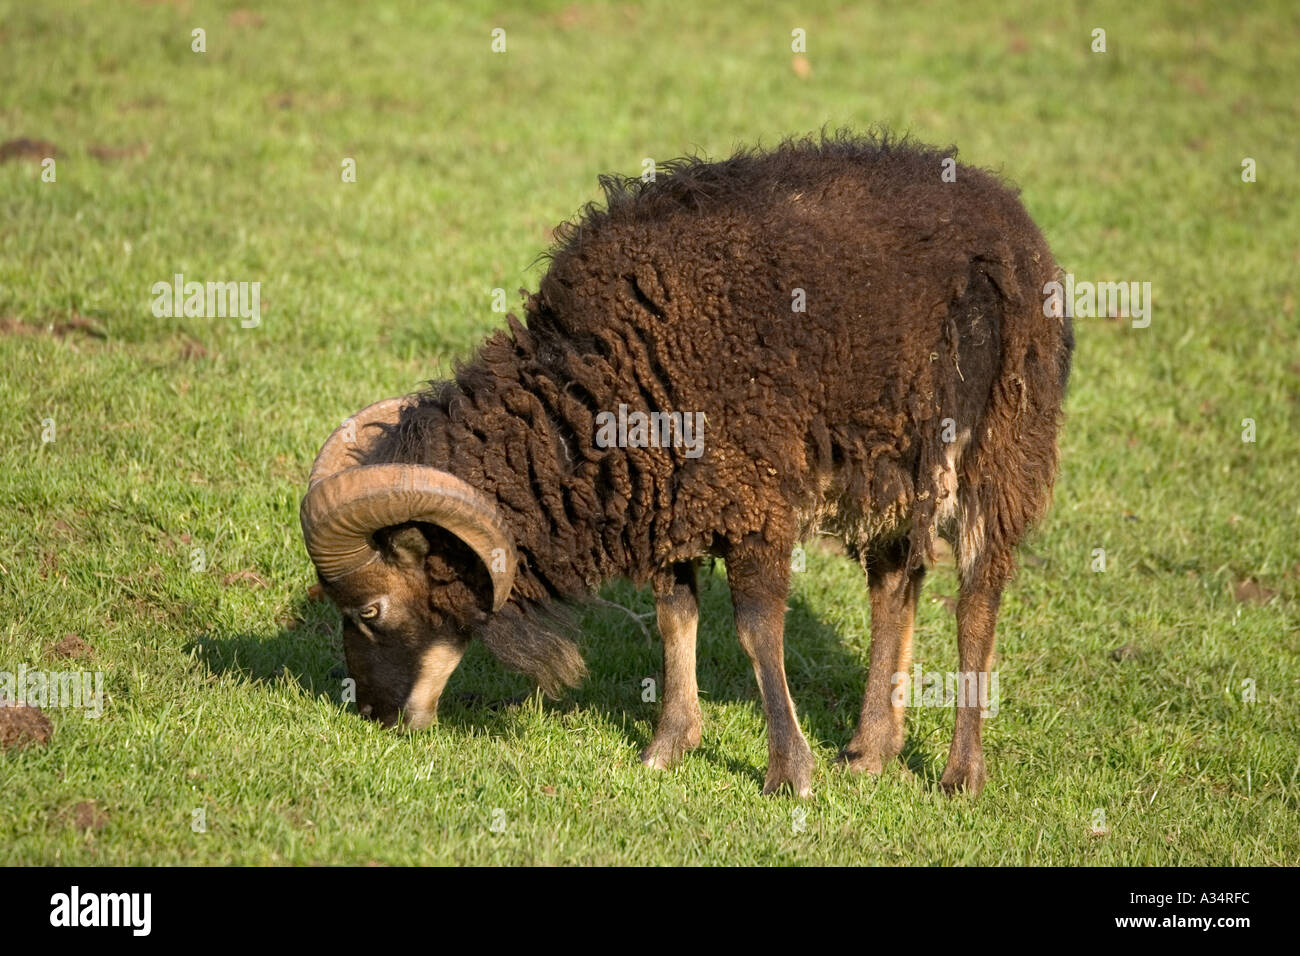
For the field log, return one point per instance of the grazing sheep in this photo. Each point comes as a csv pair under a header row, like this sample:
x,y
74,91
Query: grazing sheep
x,y
865,347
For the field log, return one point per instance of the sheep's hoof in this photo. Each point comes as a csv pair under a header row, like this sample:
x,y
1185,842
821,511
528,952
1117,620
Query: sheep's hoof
x,y
871,753
790,772
963,778
669,745
863,761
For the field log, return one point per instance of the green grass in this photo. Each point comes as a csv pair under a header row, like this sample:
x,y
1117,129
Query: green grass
x,y
180,433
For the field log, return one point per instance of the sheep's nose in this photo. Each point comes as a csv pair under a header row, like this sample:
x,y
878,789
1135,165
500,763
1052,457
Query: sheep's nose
x,y
365,710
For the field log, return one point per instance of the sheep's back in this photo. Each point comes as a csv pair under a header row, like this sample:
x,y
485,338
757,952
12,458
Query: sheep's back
x,y
826,321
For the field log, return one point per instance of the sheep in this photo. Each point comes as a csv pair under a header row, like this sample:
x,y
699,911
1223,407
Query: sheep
x,y
864,342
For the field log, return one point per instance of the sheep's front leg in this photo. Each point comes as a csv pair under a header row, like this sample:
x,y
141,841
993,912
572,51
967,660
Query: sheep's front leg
x,y
678,613
894,592
759,580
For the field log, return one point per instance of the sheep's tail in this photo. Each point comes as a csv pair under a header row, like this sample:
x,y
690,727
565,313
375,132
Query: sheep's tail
x,y
1006,476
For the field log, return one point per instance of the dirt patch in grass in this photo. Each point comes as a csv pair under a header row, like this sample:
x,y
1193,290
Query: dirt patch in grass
x,y
571,17
1252,592
245,18
35,149
77,326
21,726
108,154
86,815
71,647
250,577
49,565
192,350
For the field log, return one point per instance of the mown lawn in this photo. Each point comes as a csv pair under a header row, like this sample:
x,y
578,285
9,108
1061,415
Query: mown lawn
x,y
177,434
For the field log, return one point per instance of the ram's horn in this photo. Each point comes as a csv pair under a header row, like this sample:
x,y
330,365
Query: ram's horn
x,y
342,512
351,438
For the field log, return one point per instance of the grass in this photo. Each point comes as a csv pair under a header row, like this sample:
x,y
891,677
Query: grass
x,y
185,433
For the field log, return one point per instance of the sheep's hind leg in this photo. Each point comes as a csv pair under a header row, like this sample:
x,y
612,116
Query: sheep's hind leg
x,y
894,593
759,578
977,614
678,614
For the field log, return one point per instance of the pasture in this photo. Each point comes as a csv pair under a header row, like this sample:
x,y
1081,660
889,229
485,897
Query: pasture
x,y
151,464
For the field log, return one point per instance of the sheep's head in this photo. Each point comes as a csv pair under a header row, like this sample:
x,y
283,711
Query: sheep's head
x,y
414,559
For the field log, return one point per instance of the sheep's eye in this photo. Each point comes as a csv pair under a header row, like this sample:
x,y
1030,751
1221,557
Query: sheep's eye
x,y
370,612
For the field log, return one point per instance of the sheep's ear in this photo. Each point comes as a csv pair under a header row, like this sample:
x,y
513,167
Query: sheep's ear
x,y
407,547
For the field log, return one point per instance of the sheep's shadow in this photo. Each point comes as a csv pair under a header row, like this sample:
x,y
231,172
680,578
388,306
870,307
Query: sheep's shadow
x,y
306,651
826,672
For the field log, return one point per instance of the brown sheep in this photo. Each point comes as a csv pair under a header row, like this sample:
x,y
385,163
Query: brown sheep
x,y
865,347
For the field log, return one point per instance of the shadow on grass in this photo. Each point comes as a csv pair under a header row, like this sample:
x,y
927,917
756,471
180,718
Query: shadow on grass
x,y
826,675
307,650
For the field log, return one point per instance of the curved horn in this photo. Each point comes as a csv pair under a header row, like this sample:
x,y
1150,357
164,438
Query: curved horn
x,y
345,443
342,511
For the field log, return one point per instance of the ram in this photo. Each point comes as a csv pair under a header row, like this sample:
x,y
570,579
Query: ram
x,y
858,337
